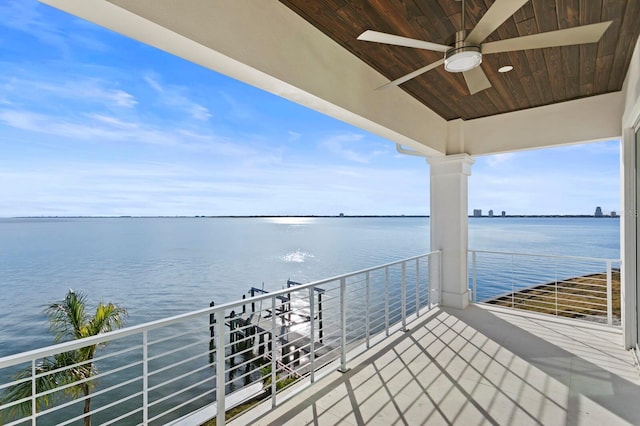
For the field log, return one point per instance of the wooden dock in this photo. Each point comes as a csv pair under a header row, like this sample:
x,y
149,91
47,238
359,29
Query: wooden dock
x,y
252,330
575,297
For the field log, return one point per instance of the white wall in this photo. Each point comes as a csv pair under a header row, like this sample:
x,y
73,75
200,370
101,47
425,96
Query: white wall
x,y
628,223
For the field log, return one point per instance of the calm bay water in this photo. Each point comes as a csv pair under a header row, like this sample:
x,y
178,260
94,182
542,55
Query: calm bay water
x,y
158,267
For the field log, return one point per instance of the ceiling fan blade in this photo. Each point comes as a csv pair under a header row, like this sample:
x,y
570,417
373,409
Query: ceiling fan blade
x,y
576,35
408,77
476,79
499,12
379,37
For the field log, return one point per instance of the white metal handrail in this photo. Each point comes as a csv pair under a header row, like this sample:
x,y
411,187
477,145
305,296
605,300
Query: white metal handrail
x,y
162,371
569,286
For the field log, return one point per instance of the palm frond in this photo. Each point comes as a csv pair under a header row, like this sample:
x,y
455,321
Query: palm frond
x,y
107,318
50,375
72,370
68,317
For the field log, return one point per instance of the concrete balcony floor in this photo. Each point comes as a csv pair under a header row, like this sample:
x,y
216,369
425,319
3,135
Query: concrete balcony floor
x,y
473,367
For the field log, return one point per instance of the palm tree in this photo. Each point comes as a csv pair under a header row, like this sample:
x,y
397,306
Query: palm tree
x,y
68,320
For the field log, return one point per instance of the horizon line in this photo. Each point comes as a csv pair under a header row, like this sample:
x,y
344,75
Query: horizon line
x,y
297,215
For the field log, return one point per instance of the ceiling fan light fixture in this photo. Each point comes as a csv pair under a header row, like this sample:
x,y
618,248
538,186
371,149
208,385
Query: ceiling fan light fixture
x,y
461,59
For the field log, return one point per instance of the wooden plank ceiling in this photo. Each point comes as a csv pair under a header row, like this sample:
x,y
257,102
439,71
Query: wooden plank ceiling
x,y
540,76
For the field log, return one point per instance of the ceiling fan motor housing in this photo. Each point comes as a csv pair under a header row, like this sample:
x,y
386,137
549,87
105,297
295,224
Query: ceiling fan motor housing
x,y
462,57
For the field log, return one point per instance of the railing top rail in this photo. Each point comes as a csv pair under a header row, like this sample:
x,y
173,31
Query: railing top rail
x,y
551,256
137,329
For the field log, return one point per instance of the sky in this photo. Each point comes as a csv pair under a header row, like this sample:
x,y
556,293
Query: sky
x,y
95,124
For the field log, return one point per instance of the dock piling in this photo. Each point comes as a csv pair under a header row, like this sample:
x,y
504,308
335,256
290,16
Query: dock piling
x,y
212,333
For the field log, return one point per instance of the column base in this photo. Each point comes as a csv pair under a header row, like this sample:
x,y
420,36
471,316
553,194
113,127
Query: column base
x,y
455,300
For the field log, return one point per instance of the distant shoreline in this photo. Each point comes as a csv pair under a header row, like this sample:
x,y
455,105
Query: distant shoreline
x,y
305,216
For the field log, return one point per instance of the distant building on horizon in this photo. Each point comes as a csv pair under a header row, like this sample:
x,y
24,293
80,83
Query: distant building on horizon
x,y
477,212
490,213
504,213
598,212
614,214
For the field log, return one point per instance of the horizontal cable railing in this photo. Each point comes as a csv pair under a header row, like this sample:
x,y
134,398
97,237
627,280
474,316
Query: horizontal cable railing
x,y
575,287
192,367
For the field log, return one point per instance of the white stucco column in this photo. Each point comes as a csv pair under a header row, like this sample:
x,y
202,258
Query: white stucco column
x,y
449,224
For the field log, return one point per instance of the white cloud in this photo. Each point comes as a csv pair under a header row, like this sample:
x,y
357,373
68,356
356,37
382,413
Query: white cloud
x,y
89,40
237,110
153,83
113,121
26,17
226,187
103,129
598,147
200,113
341,145
543,192
294,136
30,17
42,90
97,129
564,180
498,159
177,97
86,90
121,98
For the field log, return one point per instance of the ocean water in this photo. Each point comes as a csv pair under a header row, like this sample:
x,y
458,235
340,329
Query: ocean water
x,y
158,267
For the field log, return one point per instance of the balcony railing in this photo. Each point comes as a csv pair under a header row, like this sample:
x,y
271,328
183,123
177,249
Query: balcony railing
x,y
193,367
576,287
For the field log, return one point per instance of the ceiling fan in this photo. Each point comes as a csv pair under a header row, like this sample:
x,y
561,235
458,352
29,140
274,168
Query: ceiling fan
x,y
465,55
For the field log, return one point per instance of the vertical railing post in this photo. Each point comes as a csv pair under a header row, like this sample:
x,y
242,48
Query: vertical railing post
x,y
474,276
312,334
274,363
417,287
220,369
430,277
212,333
403,296
439,287
437,276
367,309
386,301
343,326
145,377
320,326
513,293
609,295
34,390
555,281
